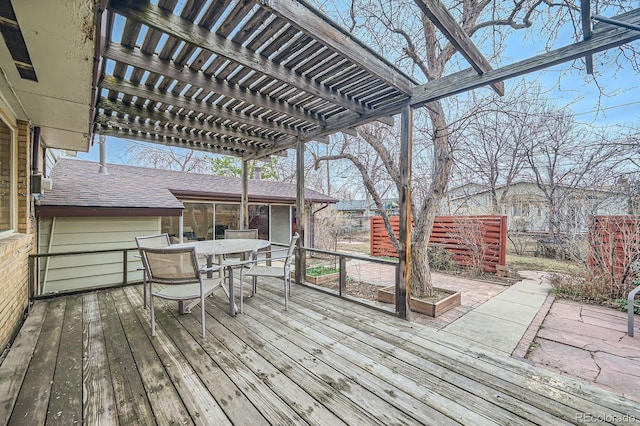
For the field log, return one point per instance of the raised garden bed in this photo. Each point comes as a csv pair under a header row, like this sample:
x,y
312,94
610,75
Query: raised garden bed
x,y
320,274
444,301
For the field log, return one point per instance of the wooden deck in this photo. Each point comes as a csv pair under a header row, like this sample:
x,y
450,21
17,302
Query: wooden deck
x,y
90,359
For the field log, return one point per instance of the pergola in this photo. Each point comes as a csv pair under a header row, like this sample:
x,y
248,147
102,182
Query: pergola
x,y
256,78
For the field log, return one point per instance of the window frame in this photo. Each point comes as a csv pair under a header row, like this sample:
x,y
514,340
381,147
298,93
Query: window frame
x,y
13,176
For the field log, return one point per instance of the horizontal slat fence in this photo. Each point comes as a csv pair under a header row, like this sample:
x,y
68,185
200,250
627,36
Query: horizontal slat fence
x,y
473,241
614,245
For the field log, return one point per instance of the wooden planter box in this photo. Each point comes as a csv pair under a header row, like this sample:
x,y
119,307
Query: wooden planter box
x,y
321,279
432,309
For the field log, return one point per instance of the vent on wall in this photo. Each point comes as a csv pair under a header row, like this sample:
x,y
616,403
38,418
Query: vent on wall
x,y
15,41
39,184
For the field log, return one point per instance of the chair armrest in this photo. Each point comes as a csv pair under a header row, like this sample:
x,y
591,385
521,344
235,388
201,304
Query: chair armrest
x,y
212,268
256,261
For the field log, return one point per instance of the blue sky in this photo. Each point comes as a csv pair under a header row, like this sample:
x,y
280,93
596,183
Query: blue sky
x,y
576,91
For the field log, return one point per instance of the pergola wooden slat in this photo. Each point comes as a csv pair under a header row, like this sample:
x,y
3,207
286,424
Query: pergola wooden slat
x,y
253,78
442,18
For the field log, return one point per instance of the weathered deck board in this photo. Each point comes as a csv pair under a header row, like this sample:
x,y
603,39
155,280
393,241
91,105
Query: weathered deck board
x,y
164,399
479,397
33,399
279,357
549,391
385,401
201,405
235,404
14,367
324,361
99,406
260,395
130,395
411,376
287,392
65,407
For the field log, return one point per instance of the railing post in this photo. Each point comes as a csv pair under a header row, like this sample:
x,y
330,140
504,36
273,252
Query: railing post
x,y
32,281
125,267
343,275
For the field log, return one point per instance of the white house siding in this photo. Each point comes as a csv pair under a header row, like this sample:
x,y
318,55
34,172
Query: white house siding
x,y
527,209
70,234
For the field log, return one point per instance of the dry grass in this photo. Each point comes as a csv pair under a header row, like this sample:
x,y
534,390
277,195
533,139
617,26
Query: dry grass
x,y
530,263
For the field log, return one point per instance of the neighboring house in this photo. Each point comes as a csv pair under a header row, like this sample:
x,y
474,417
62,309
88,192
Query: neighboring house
x,y
528,209
355,214
88,210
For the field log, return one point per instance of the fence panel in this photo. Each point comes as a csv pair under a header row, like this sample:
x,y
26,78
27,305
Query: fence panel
x,y
614,245
473,241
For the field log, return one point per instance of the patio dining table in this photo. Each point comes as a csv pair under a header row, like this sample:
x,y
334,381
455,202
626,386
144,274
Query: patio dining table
x,y
219,248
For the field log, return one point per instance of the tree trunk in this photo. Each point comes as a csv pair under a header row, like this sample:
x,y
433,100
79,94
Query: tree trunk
x,y
421,284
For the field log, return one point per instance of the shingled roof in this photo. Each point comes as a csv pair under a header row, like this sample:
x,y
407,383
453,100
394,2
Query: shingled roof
x,y
79,189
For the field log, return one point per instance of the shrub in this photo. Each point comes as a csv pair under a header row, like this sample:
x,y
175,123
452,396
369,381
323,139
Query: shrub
x,y
591,288
440,259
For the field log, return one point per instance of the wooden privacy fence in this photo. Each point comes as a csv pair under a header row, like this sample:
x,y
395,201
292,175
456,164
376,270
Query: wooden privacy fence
x,y
473,241
614,245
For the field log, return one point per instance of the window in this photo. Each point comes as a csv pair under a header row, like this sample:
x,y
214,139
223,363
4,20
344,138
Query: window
x,y
227,217
7,179
520,210
259,219
198,221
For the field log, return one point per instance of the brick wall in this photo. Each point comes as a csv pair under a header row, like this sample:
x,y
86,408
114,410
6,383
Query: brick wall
x,y
15,249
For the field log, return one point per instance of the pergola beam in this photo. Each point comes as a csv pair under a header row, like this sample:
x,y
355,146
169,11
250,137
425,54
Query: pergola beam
x,y
184,30
585,11
603,38
306,19
168,98
198,79
444,21
170,132
154,138
181,120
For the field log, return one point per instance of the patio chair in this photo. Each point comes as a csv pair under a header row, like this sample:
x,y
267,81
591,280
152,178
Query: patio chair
x,y
283,271
174,274
238,234
150,241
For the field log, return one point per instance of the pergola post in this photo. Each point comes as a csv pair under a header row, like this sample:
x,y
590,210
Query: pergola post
x,y
301,263
244,197
403,282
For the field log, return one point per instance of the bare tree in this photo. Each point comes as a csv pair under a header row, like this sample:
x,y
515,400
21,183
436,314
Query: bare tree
x,y
493,153
565,158
425,53
168,158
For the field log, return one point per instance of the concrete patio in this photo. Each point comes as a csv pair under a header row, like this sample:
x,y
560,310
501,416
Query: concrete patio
x,y
590,343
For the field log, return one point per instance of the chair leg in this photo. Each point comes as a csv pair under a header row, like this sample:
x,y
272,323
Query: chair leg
x,y
241,293
286,295
202,313
153,317
144,287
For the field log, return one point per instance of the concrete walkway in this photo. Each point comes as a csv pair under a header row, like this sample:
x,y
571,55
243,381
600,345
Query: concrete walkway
x,y
500,323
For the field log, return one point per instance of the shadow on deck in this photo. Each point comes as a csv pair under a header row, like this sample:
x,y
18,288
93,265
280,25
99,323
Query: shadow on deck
x,y
89,358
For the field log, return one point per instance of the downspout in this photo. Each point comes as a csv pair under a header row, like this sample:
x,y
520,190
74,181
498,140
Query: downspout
x,y
35,147
103,155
